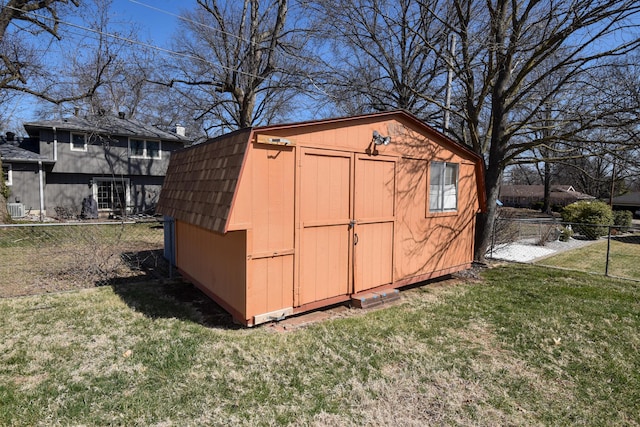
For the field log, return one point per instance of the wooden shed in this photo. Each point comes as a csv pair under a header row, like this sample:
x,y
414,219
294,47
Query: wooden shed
x,y
276,220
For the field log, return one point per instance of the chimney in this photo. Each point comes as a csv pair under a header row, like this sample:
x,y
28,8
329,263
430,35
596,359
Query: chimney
x,y
180,130
76,111
121,114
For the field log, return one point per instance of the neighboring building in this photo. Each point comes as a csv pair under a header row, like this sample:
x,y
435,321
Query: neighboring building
x,y
629,202
526,196
282,219
120,162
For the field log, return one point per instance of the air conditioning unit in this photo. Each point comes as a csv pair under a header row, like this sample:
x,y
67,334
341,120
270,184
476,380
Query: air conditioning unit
x,y
16,210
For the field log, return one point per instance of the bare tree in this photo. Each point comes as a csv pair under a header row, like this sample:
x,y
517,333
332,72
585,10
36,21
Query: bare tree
x,y
381,59
239,62
18,60
506,49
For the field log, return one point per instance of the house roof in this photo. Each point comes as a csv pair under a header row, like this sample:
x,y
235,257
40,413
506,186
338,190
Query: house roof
x,y
537,191
12,153
201,180
105,124
629,199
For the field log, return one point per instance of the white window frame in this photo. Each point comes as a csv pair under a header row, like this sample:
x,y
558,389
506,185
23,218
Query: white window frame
x,y
9,168
84,137
127,192
145,151
440,194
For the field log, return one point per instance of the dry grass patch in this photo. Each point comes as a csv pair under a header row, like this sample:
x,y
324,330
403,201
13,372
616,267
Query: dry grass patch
x,y
481,354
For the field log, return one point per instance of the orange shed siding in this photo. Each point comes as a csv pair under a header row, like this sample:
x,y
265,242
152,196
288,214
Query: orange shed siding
x,y
216,263
326,216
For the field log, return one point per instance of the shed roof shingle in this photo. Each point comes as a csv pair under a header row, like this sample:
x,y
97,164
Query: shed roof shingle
x,y
201,181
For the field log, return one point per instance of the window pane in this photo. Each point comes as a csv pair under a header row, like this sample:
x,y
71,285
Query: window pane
x,y
137,147
450,189
435,190
153,149
6,176
78,141
443,188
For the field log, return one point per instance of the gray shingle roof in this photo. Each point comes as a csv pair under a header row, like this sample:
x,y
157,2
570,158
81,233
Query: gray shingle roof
x,y
105,124
11,153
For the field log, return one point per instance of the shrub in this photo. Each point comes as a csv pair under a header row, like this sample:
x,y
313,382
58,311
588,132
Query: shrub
x,y
596,217
622,219
537,206
565,234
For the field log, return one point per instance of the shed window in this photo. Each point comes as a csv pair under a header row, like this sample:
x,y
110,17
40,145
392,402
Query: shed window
x,y
144,149
78,142
7,174
443,187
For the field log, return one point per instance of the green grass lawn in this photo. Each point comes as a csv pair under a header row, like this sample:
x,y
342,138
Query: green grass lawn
x,y
528,346
624,258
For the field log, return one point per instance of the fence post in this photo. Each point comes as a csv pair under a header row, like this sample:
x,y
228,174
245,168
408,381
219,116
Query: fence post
x,y
493,237
606,268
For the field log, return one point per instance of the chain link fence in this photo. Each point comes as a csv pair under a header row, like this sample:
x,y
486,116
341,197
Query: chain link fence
x,y
40,258
600,249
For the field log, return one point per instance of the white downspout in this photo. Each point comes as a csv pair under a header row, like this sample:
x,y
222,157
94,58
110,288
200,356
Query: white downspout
x,y
55,145
41,190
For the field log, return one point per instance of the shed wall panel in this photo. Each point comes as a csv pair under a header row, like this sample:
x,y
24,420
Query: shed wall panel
x,y
270,285
217,262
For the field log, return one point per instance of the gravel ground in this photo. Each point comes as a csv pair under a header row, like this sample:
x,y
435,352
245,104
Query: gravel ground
x,y
528,250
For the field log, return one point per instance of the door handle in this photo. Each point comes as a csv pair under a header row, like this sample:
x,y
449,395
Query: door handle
x,y
355,239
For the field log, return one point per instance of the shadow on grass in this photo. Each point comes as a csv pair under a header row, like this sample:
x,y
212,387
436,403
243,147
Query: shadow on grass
x,y
155,295
632,239
174,300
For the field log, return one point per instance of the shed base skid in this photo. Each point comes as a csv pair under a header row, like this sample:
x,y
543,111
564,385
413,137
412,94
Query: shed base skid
x,y
367,299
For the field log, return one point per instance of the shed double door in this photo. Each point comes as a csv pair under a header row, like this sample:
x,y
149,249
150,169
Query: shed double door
x,y
346,224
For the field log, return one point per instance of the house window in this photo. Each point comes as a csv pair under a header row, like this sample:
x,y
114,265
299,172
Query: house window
x,y
111,194
78,142
144,149
7,174
443,187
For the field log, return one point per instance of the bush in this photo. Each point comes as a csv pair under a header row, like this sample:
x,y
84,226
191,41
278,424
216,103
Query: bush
x,y
596,217
537,206
622,219
566,233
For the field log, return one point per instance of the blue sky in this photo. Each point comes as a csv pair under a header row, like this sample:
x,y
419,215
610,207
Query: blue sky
x,y
154,17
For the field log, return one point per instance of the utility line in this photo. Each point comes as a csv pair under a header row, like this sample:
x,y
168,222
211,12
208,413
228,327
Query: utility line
x,y
169,51
139,43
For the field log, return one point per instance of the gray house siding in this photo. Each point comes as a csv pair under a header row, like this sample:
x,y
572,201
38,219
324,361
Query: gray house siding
x,y
120,162
25,185
102,157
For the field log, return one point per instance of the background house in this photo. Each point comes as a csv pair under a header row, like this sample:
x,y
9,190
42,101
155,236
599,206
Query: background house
x,y
275,220
629,201
527,196
120,162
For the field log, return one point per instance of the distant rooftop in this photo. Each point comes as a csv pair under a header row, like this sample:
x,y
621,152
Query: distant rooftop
x,y
10,152
105,124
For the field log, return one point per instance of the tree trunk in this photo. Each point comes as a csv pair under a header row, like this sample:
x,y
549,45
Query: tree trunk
x,y
485,221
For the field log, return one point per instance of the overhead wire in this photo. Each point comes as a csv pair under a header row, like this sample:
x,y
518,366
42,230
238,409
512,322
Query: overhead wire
x,y
170,51
137,42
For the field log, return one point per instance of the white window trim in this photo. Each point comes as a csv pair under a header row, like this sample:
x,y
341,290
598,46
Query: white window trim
x,y
127,195
442,191
145,154
9,180
84,136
